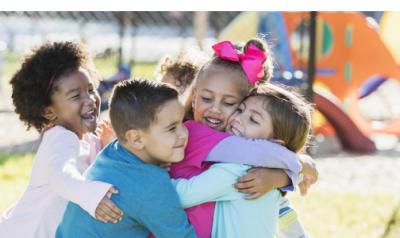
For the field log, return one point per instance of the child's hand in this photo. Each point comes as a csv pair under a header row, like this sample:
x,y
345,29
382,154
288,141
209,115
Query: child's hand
x,y
259,181
309,169
106,132
106,211
304,185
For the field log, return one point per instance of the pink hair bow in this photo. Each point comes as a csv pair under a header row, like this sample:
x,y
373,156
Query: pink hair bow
x,y
251,60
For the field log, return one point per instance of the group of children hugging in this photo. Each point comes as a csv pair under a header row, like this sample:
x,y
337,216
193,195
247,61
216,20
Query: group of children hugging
x,y
208,150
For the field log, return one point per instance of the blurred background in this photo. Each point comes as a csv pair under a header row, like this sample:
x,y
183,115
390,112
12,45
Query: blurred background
x,y
346,63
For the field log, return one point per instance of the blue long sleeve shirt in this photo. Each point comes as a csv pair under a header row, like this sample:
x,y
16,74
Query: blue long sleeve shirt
x,y
146,195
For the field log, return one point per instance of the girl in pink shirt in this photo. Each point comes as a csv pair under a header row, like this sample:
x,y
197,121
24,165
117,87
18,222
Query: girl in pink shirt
x,y
218,89
54,92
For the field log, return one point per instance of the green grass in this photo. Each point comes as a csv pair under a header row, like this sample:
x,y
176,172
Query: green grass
x,y
14,176
325,214
347,214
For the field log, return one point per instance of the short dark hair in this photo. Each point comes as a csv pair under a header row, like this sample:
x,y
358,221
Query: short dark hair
x,y
134,104
290,114
34,81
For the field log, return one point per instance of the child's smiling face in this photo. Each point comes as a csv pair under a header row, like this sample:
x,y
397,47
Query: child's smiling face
x,y
251,120
216,97
75,102
165,139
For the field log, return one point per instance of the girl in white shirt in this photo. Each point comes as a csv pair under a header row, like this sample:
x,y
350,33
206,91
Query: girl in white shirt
x,y
54,92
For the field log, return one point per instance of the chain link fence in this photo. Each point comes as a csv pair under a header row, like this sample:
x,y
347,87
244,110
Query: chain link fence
x,y
136,36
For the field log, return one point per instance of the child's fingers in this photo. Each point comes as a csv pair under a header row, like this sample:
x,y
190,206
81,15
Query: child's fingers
x,y
303,189
113,190
246,178
107,215
101,215
251,190
244,185
253,196
112,210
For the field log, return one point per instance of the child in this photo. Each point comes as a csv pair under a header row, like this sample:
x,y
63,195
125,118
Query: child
x,y
269,112
147,118
181,69
53,91
220,86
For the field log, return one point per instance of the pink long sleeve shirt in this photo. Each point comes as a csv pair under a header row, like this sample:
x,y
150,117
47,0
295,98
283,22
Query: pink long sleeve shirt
x,y
201,216
206,144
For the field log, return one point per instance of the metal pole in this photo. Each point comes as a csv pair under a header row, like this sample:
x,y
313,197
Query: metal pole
x,y
311,56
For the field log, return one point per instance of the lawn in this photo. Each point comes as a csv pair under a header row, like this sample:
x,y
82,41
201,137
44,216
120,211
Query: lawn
x,y
326,214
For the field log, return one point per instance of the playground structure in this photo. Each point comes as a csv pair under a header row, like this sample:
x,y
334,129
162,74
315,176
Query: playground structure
x,y
352,61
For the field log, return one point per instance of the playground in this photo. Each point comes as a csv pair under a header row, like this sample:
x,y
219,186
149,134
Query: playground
x,y
355,88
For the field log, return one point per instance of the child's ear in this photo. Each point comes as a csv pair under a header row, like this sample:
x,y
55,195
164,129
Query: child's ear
x,y
135,139
49,113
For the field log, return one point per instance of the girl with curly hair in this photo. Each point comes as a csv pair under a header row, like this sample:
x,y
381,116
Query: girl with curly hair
x,y
54,92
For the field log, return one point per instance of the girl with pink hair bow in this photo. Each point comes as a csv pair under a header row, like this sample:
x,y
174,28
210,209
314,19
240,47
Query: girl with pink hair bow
x,y
219,88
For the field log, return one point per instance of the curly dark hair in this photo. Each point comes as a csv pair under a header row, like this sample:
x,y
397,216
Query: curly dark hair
x,y
33,83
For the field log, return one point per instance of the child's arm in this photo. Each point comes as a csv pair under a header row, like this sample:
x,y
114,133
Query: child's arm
x,y
160,210
261,180
289,222
68,182
263,153
214,184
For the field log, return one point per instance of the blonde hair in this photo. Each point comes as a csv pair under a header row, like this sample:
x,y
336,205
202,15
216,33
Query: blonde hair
x,y
183,67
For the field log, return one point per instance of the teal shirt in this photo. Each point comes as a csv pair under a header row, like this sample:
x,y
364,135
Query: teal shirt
x,y
146,196
234,217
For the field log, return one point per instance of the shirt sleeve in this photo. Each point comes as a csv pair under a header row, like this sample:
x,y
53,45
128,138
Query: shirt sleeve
x,y
64,176
214,184
161,212
235,149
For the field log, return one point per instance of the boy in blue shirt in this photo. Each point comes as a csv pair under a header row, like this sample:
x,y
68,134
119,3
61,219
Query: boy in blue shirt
x,y
147,118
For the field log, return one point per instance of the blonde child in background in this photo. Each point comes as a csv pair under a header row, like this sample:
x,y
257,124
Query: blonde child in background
x,y
220,86
268,113
54,92
181,69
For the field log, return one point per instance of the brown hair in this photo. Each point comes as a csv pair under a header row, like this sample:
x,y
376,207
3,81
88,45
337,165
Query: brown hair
x,y
134,104
290,114
217,62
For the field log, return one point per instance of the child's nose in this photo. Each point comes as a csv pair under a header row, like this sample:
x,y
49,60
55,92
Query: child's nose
x,y
237,120
216,108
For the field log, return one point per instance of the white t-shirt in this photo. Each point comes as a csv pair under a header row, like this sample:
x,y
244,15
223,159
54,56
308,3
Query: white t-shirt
x,y
56,178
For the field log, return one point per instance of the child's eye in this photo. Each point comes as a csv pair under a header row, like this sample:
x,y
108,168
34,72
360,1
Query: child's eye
x,y
76,96
172,129
253,121
239,110
229,104
206,99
